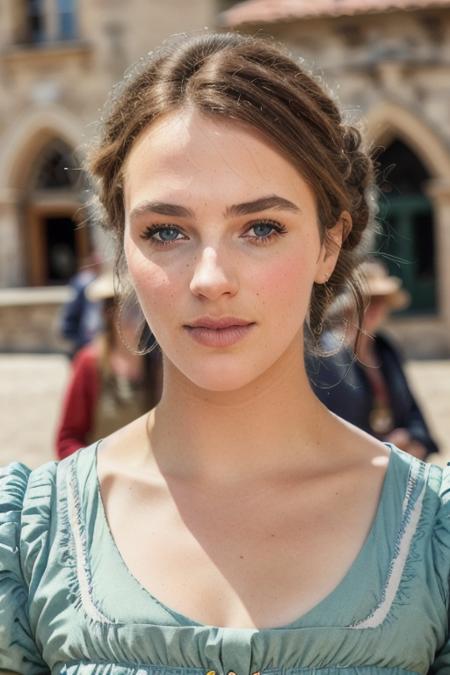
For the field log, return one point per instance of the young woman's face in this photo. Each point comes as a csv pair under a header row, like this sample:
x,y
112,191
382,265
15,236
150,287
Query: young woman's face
x,y
219,224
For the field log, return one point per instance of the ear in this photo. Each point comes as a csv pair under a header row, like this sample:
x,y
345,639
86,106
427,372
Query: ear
x,y
331,247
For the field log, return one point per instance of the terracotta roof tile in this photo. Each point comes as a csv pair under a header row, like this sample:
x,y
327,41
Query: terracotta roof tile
x,y
268,11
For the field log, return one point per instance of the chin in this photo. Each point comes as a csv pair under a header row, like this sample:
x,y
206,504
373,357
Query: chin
x,y
232,370
221,381
224,384
225,375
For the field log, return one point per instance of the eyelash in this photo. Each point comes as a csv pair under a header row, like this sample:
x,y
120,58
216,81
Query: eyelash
x,y
151,230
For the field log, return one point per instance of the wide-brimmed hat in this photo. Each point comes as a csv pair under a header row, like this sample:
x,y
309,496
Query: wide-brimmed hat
x,y
377,282
101,288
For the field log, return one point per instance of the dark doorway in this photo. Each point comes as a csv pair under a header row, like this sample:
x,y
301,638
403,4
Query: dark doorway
x,y
406,242
57,242
60,247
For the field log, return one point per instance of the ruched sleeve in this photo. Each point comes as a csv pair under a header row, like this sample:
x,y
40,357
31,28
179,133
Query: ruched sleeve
x,y
441,665
18,651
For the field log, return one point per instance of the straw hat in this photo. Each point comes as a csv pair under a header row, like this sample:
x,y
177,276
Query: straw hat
x,y
101,288
378,283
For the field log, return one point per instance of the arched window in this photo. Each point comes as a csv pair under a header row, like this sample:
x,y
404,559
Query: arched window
x,y
56,168
406,243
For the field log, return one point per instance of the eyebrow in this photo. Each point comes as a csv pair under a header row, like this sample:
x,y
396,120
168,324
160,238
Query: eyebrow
x,y
262,204
162,209
176,210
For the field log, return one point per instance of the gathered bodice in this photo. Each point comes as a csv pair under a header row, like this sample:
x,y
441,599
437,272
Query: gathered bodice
x,y
74,607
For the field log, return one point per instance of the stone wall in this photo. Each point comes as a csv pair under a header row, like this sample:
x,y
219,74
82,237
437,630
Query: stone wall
x,y
29,320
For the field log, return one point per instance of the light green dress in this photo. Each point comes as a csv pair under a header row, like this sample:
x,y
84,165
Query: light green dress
x,y
69,604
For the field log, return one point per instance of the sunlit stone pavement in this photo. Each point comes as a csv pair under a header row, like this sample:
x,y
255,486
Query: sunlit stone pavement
x,y
31,388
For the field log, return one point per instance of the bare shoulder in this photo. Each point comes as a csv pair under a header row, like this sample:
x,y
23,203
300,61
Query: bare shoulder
x,y
359,462
123,450
357,445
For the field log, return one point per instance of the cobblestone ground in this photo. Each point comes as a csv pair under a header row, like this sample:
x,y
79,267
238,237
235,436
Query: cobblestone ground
x,y
31,387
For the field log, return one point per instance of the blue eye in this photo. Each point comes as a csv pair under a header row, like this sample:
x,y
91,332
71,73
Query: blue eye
x,y
266,231
262,229
166,234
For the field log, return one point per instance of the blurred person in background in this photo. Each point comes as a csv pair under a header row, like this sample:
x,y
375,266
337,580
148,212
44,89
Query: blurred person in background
x,y
80,317
369,388
110,385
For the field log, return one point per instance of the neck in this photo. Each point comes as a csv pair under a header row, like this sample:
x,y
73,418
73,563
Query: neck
x,y
262,428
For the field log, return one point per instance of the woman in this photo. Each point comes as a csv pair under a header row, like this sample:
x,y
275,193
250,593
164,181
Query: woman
x,y
239,527
372,391
109,385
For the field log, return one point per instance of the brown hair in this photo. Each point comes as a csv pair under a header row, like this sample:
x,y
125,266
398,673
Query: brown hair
x,y
253,81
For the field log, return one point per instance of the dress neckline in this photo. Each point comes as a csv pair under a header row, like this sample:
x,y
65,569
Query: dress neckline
x,y
333,599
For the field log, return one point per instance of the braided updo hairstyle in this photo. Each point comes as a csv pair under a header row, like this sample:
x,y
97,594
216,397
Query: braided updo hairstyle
x,y
253,81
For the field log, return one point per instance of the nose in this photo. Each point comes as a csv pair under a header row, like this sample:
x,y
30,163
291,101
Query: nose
x,y
213,277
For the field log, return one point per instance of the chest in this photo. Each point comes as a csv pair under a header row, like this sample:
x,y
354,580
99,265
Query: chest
x,y
241,560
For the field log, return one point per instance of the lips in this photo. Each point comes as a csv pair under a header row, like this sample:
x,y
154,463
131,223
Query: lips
x,y
218,324
219,332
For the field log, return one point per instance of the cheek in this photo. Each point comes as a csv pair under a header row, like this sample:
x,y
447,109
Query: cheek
x,y
154,286
285,282
156,293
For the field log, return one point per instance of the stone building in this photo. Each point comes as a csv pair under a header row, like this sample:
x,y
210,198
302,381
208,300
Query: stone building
x,y
58,61
388,62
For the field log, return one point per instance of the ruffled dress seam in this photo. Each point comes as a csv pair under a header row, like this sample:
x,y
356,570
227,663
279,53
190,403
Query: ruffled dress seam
x,y
403,554
74,542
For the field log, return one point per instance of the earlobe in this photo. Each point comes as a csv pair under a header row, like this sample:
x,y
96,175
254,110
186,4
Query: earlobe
x,y
325,266
323,276
337,234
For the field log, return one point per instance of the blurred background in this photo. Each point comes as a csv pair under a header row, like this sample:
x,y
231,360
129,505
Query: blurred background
x,y
388,63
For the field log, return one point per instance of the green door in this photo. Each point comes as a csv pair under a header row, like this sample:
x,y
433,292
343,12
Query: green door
x,y
406,245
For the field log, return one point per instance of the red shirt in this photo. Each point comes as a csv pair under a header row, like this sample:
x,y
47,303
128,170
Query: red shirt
x,y
79,404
